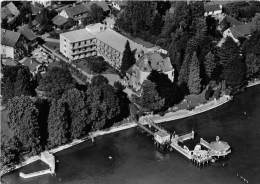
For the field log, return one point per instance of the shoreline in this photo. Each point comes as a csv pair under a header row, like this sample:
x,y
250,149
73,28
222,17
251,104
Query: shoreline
x,y
170,116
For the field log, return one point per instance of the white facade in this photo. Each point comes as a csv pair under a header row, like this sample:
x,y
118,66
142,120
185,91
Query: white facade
x,y
227,33
64,14
7,52
214,12
45,3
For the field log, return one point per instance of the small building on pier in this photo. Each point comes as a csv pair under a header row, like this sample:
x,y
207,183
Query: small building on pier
x,y
162,137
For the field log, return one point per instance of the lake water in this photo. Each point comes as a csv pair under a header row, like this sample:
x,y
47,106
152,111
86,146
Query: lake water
x,y
136,161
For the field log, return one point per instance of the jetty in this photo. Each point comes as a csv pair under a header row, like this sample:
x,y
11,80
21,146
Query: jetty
x,y
203,153
47,158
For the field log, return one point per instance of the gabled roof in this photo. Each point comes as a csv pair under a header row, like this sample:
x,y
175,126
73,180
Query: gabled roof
x,y
101,4
13,9
59,20
242,30
75,10
32,63
9,38
5,12
154,61
27,32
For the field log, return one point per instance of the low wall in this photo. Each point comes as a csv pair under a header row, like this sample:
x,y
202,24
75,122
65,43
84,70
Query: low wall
x,y
34,174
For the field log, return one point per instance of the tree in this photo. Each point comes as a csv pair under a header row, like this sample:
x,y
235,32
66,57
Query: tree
x,y
156,25
184,71
22,85
209,64
165,87
234,73
128,59
228,52
78,112
194,75
137,16
252,64
23,116
10,151
104,106
99,80
150,99
233,67
96,13
58,124
55,82
16,81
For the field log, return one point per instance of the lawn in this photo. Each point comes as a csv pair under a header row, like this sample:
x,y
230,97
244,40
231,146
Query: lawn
x,y
5,130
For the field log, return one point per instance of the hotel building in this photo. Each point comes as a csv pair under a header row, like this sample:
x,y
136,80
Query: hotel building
x,y
97,40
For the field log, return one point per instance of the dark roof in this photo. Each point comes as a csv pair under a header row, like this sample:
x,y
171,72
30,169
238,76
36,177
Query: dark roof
x,y
101,4
208,7
75,10
13,9
32,63
27,32
9,38
242,30
232,21
59,20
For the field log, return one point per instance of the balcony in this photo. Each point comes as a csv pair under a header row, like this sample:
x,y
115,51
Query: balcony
x,y
83,51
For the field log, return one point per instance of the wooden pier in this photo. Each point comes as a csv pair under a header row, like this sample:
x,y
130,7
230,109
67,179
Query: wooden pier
x,y
164,139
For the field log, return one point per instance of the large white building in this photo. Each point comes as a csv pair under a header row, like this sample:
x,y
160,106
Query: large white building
x,y
97,39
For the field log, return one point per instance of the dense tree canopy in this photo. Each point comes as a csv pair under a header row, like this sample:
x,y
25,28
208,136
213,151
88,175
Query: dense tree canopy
x,y
137,16
194,82
78,112
128,59
150,99
55,82
104,105
23,121
16,81
166,88
58,124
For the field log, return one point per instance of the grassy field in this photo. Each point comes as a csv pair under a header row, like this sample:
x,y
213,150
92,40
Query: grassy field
x,y
5,130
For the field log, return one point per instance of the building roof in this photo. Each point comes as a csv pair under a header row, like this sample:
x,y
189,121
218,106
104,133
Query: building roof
x,y
5,12
35,9
32,63
13,9
78,35
117,41
9,38
75,10
59,20
27,32
101,4
242,30
154,61
232,21
208,7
